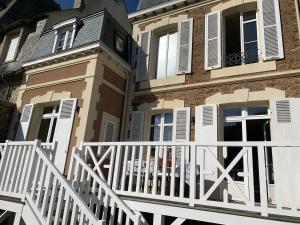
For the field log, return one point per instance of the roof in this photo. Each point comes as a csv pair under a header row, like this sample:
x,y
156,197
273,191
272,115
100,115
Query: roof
x,y
88,33
145,4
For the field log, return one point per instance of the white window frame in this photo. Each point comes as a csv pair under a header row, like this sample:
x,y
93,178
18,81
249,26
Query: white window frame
x,y
159,35
52,116
6,45
69,26
162,125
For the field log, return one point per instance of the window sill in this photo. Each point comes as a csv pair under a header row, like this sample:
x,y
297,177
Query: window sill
x,y
244,69
180,79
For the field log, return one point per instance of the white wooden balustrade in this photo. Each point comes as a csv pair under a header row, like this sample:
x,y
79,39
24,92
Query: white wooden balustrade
x,y
199,174
26,172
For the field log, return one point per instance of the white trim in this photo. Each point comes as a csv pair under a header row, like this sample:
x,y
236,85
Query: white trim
x,y
63,54
65,23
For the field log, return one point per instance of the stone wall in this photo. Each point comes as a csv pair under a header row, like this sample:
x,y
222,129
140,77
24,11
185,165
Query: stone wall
x,y
6,112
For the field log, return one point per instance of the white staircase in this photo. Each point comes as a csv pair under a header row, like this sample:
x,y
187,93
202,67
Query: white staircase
x,y
28,176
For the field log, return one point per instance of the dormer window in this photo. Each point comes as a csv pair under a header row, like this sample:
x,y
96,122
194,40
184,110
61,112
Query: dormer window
x,y
65,34
10,48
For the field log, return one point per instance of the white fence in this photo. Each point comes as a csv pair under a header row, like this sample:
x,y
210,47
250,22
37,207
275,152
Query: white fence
x,y
27,172
235,176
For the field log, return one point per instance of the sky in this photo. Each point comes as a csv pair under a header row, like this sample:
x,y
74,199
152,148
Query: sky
x,y
131,4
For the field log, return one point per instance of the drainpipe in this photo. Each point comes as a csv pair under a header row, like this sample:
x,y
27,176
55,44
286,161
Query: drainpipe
x,y
125,107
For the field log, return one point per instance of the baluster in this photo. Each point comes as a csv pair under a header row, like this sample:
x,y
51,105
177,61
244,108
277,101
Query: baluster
x,y
154,189
182,171
251,177
10,166
120,216
21,170
133,150
164,171
59,206
124,169
112,213
52,201
42,184
100,201
173,168
16,166
147,169
127,220
66,210
193,177
201,152
262,181
138,183
74,214
117,168
82,218
111,166
105,205
4,165
36,178
47,194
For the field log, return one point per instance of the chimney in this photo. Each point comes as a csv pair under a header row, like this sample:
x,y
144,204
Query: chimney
x,y
78,4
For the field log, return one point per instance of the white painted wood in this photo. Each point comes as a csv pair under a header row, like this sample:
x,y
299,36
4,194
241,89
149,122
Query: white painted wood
x,y
12,49
24,123
185,46
272,44
158,219
213,41
63,130
285,126
178,221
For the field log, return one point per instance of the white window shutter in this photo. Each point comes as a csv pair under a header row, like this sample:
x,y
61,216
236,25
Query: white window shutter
x,y
109,134
137,126
63,130
185,47
272,45
11,52
213,41
285,127
143,56
181,131
206,131
24,123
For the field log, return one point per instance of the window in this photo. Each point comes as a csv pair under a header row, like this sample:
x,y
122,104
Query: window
x,y
109,134
161,127
64,40
166,65
12,44
119,44
48,124
241,39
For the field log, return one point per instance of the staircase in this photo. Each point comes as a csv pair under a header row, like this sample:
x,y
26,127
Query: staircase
x,y
29,178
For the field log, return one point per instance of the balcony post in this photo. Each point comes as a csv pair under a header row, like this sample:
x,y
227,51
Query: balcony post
x,y
193,175
116,176
263,181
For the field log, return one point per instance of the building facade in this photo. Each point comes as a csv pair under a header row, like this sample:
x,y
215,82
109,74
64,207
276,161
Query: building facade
x,y
76,79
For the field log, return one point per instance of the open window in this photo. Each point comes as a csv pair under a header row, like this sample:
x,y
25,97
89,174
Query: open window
x,y
10,47
241,40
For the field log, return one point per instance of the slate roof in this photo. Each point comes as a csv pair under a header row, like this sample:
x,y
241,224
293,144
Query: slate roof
x,y
88,33
145,4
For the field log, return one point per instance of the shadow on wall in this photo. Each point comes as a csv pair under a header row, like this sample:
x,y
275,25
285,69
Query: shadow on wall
x,y
6,112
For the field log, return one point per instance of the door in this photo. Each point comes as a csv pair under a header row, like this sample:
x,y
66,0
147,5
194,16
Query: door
x,y
249,123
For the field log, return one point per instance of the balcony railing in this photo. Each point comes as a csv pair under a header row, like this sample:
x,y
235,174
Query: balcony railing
x,y
240,58
195,174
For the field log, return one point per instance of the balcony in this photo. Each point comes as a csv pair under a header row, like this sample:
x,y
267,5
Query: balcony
x,y
241,58
194,174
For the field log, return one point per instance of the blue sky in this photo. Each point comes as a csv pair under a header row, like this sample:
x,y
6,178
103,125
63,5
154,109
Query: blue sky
x,y
131,4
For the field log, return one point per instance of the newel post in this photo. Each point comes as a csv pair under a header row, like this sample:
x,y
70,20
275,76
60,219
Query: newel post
x,y
116,176
193,175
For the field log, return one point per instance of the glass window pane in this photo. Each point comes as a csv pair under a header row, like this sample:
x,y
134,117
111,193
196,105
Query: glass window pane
x,y
172,55
119,44
252,111
251,15
155,120
250,32
53,130
251,53
168,118
168,130
162,57
44,128
155,134
48,110
232,112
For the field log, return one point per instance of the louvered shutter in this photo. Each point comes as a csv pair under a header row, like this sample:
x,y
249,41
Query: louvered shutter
x,y
182,128
24,123
272,45
143,56
185,47
63,130
213,40
206,131
137,126
285,127
109,132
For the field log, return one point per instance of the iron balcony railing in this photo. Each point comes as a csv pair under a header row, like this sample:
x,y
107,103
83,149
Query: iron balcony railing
x,y
240,58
